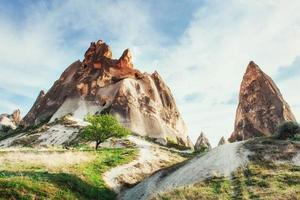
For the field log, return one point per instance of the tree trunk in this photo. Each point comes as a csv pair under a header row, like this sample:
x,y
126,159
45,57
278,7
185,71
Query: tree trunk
x,y
97,144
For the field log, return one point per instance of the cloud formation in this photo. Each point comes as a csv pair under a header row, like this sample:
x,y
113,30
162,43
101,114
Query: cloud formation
x,y
220,41
201,49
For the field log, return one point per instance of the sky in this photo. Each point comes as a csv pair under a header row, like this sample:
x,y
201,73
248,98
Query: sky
x,y
201,48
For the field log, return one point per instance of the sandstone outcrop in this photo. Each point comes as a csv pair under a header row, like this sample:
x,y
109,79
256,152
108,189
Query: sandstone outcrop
x,y
10,121
202,143
101,84
261,106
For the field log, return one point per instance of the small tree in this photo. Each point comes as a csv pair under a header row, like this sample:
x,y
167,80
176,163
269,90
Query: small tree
x,y
287,130
102,127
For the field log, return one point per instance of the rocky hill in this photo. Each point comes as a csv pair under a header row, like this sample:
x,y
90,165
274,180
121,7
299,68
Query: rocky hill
x,y
101,84
261,106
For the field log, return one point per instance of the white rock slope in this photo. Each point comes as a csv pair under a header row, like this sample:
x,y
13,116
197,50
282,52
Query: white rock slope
x,y
222,160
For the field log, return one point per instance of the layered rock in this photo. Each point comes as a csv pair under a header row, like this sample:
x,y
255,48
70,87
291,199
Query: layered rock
x,y
261,106
10,121
222,141
202,143
101,84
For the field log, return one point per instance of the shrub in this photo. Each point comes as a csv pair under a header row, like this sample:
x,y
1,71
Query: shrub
x,y
102,127
287,130
5,128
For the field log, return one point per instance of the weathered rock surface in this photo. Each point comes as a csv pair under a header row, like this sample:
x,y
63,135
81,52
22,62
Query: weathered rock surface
x,y
202,143
222,141
10,121
101,84
261,106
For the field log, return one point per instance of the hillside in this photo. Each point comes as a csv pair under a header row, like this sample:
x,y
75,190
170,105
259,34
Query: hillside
x,y
80,172
261,168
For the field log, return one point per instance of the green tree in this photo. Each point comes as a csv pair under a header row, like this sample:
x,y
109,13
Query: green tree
x,y
287,130
102,127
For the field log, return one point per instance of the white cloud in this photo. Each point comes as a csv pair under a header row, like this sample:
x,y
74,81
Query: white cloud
x,y
222,38
207,62
51,36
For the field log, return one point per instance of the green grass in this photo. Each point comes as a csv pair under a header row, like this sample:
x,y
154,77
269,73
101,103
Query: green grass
x,y
79,181
255,181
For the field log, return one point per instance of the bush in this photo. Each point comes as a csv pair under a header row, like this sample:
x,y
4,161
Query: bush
x,y
102,127
5,128
287,130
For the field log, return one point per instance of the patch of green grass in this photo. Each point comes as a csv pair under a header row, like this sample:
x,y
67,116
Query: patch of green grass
x,y
79,181
255,181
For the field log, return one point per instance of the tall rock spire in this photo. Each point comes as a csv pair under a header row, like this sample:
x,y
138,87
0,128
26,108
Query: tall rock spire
x,y
261,106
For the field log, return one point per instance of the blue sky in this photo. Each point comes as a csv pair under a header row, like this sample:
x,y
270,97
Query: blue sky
x,y
201,49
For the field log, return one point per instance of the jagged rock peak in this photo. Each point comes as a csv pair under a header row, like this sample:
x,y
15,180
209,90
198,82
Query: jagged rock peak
x,y
126,59
16,116
99,55
10,120
261,106
222,141
202,143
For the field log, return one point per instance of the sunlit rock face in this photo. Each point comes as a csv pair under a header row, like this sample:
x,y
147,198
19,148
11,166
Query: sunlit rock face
x,y
202,143
261,106
10,121
101,84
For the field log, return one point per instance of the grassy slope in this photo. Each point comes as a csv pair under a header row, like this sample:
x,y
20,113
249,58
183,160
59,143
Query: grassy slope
x,y
256,181
260,179
79,181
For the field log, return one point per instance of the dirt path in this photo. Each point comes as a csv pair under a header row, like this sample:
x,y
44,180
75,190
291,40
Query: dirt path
x,y
151,158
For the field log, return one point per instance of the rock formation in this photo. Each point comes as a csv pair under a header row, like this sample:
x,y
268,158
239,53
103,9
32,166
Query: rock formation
x,y
261,106
10,121
202,143
101,84
222,141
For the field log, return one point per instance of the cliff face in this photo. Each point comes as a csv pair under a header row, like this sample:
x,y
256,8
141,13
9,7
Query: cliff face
x,y
261,106
101,84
